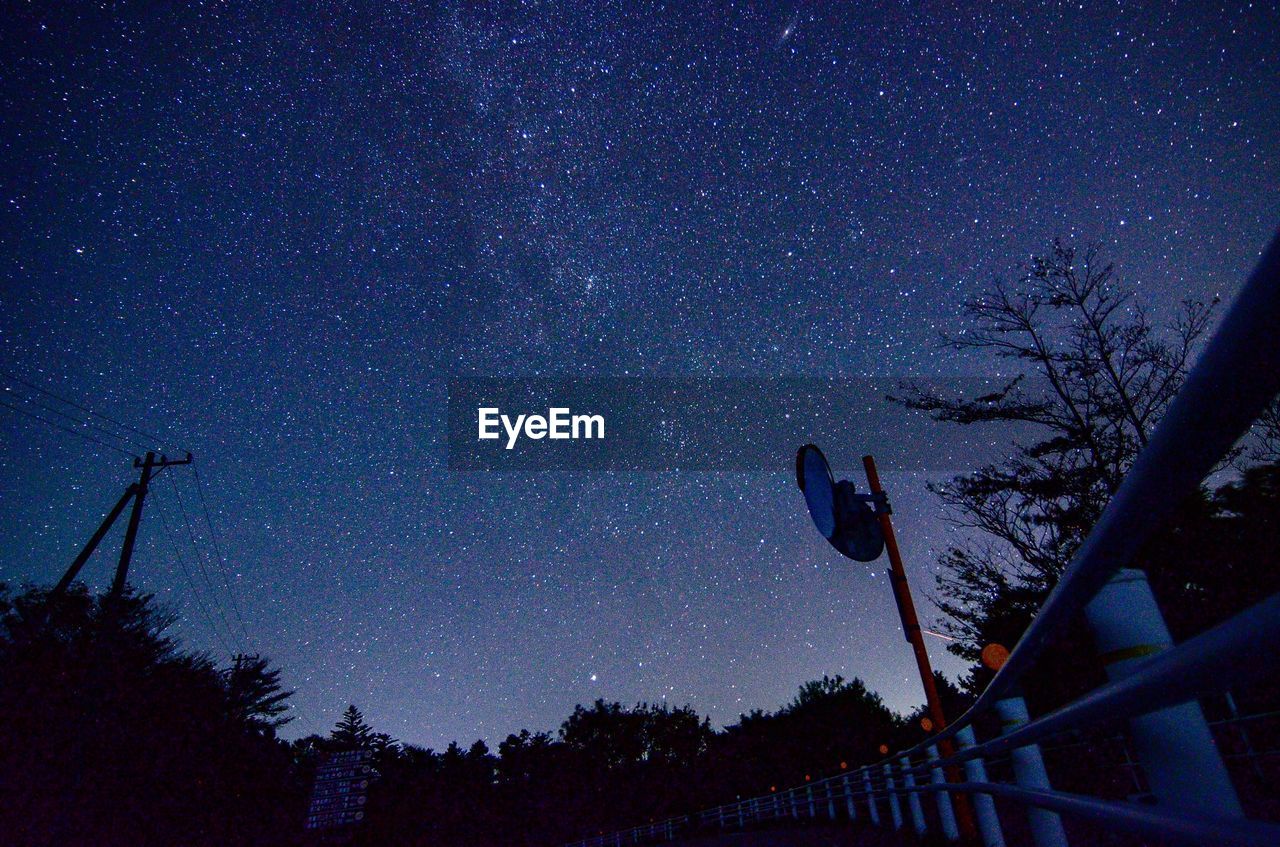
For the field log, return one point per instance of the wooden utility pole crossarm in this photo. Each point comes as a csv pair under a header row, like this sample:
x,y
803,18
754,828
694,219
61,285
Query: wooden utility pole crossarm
x,y
148,467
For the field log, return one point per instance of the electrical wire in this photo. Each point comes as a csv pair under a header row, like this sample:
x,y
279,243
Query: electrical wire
x,y
223,569
186,572
158,441
69,430
213,593
99,427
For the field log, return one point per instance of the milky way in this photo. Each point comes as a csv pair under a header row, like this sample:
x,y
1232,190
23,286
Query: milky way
x,y
272,238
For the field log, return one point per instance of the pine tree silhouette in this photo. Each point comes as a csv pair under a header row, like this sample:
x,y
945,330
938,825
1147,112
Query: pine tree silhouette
x,y
351,732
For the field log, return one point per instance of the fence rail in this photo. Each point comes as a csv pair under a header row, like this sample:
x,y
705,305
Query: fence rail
x,y
1153,684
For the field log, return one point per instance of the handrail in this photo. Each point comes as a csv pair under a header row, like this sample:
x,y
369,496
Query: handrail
x,y
1211,412
1132,817
1189,672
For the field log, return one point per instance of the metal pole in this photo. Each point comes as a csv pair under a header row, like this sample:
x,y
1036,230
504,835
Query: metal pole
x,y
911,628
906,606
945,814
1244,734
894,808
1174,745
871,797
1029,772
913,798
850,806
984,806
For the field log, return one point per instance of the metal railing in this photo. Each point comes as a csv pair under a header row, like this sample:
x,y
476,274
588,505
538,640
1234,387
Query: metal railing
x,y
1153,685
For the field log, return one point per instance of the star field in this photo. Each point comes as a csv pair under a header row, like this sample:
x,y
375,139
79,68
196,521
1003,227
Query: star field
x,y
272,238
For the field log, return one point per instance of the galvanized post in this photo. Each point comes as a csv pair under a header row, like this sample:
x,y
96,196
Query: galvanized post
x,y
1028,771
829,787
1174,745
913,798
984,806
946,815
813,806
1249,752
894,808
871,797
850,806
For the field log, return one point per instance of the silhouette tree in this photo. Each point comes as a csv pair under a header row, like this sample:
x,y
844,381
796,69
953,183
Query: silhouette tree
x,y
1098,374
829,721
351,732
120,737
1265,446
254,693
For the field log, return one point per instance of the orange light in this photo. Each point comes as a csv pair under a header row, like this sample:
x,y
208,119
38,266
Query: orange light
x,y
884,749
806,777
994,656
844,766
926,724
773,788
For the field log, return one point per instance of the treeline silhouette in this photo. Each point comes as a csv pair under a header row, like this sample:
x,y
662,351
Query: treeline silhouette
x,y
610,766
114,735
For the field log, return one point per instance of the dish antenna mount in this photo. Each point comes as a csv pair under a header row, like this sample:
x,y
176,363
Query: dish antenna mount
x,y
843,515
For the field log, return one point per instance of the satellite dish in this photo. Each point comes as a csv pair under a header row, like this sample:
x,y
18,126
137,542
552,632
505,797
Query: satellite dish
x,y
839,512
813,475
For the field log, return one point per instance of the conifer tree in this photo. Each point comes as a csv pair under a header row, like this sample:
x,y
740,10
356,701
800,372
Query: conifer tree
x,y
351,732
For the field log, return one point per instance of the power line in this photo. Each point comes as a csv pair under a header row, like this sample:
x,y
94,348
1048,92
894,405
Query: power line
x,y
186,572
213,593
74,419
223,569
306,719
69,430
154,438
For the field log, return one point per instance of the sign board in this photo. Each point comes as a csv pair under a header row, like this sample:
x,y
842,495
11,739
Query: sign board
x,y
341,789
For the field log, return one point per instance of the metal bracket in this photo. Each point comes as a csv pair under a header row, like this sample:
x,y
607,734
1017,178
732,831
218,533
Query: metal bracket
x,y
880,500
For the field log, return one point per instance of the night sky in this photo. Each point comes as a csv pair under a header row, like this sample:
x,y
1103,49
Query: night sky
x,y
270,237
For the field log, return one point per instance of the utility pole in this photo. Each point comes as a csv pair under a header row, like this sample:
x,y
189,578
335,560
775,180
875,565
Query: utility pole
x,y
906,606
911,629
149,467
